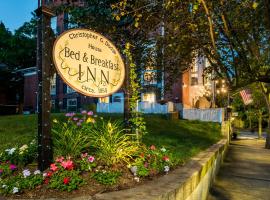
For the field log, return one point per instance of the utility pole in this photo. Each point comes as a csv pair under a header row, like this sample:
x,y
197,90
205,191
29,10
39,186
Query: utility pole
x,y
45,153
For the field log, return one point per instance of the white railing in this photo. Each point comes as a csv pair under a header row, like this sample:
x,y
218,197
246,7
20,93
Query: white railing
x,y
212,114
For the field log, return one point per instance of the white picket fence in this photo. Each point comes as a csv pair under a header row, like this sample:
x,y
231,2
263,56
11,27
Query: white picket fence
x,y
144,107
212,114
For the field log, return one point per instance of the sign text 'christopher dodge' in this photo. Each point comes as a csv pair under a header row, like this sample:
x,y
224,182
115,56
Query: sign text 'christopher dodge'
x,y
88,62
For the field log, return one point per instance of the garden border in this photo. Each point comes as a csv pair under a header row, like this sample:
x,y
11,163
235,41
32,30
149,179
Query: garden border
x,y
192,181
189,182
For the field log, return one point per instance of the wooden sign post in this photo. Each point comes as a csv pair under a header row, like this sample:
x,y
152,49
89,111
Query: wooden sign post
x,y
45,154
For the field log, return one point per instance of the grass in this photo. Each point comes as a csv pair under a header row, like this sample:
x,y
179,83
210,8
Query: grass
x,y
184,138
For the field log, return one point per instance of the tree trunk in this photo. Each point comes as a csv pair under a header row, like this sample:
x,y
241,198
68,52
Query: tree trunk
x,y
266,93
260,124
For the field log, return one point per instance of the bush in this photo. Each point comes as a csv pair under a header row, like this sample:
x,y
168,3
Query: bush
x,y
22,156
112,145
69,138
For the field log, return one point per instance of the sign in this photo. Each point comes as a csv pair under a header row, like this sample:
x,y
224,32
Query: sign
x,y
88,62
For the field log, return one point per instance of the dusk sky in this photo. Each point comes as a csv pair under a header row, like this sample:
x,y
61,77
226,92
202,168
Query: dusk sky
x,y
13,13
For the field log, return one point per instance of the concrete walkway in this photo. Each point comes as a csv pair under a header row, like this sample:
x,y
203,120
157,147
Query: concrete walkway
x,y
245,173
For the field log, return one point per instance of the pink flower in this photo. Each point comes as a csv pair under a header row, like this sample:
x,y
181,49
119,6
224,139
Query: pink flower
x,y
84,112
79,123
166,158
1,171
152,147
67,164
145,164
91,159
66,180
53,167
90,113
59,159
75,119
12,167
84,155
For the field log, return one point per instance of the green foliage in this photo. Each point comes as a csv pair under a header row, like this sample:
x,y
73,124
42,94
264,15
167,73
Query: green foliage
x,y
66,180
111,144
106,177
18,183
153,160
87,163
20,155
69,138
137,121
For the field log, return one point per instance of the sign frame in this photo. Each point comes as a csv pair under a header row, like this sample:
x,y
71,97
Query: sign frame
x,y
81,91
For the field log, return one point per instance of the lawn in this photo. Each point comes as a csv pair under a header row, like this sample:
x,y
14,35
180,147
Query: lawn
x,y
184,138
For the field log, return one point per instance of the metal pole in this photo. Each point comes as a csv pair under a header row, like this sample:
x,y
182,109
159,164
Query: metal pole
x,y
45,154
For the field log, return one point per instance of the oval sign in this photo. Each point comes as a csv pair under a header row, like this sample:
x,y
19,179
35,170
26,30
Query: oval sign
x,y
88,62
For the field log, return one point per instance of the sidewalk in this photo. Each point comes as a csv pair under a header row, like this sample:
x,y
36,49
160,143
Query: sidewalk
x,y
245,173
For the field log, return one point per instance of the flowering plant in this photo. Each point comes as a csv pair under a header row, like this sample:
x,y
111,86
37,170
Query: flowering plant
x,y
69,138
24,180
23,155
151,161
62,175
87,162
7,169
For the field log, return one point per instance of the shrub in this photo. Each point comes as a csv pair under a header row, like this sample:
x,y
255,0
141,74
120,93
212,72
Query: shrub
x,y
69,138
22,156
112,145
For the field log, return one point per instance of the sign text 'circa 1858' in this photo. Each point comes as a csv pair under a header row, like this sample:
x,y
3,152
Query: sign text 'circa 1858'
x,y
88,62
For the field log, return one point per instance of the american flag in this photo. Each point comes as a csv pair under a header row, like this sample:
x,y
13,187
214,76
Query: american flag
x,y
246,96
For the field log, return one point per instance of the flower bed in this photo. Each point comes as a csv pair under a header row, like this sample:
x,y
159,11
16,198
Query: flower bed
x,y
91,155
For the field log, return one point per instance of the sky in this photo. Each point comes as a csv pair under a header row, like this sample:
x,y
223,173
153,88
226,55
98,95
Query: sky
x,y
13,13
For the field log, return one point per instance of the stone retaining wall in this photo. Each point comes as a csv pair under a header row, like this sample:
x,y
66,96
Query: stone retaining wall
x,y
190,182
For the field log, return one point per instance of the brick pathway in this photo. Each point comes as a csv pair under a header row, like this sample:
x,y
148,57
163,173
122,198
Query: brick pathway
x,y
245,173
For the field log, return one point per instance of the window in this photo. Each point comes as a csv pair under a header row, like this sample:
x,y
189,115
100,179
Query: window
x,y
53,85
104,100
149,97
194,73
72,104
116,99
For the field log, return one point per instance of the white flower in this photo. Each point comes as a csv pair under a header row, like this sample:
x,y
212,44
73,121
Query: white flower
x,y
26,173
166,169
163,149
4,186
15,190
44,174
10,151
37,172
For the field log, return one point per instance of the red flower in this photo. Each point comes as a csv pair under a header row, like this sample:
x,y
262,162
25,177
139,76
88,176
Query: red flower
x,y
46,181
67,164
53,167
166,158
49,174
152,147
66,180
